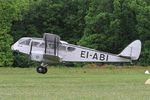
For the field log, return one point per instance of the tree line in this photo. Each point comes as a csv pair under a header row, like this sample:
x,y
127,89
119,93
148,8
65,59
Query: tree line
x,y
105,25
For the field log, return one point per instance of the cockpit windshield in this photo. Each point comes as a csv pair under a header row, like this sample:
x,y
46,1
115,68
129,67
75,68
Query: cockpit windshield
x,y
25,41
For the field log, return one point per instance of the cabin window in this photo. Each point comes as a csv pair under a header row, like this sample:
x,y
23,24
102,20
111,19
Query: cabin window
x,y
25,42
70,49
35,44
42,45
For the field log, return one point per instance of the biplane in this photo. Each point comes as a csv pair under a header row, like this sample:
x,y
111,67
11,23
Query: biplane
x,y
50,49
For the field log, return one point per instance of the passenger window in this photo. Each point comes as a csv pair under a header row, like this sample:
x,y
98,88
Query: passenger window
x,y
25,42
35,44
42,45
70,49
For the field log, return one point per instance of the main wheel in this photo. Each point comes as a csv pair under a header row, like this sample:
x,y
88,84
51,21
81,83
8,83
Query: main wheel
x,y
45,70
41,69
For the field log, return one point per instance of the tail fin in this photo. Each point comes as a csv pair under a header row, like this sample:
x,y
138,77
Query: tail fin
x,y
132,51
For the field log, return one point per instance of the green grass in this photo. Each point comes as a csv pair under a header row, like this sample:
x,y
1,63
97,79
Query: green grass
x,y
74,84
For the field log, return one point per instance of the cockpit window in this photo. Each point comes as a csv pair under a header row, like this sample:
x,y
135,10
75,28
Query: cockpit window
x,y
25,42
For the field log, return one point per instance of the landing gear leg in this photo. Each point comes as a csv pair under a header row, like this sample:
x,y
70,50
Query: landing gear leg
x,y
42,69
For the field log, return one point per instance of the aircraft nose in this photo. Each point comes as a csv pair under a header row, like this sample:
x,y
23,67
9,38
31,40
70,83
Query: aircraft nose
x,y
12,47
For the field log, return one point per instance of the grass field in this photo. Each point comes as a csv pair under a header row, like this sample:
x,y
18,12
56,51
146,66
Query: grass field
x,y
74,84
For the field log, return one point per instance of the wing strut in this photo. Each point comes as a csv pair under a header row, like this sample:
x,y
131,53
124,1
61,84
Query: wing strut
x,y
31,48
55,46
45,44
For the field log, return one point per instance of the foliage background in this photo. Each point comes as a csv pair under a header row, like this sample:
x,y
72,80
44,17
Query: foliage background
x,y
107,25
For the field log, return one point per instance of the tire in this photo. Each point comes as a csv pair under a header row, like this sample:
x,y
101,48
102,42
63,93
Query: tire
x,y
44,70
41,70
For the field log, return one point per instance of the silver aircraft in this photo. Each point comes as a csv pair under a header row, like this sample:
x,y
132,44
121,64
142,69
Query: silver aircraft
x,y
50,49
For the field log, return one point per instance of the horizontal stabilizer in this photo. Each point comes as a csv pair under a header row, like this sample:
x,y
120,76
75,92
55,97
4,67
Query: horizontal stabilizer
x,y
132,51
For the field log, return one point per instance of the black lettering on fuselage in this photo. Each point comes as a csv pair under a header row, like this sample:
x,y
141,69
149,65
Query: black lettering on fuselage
x,y
83,54
87,54
107,58
102,57
95,56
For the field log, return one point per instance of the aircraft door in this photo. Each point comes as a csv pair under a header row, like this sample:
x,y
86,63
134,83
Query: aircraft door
x,y
36,51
